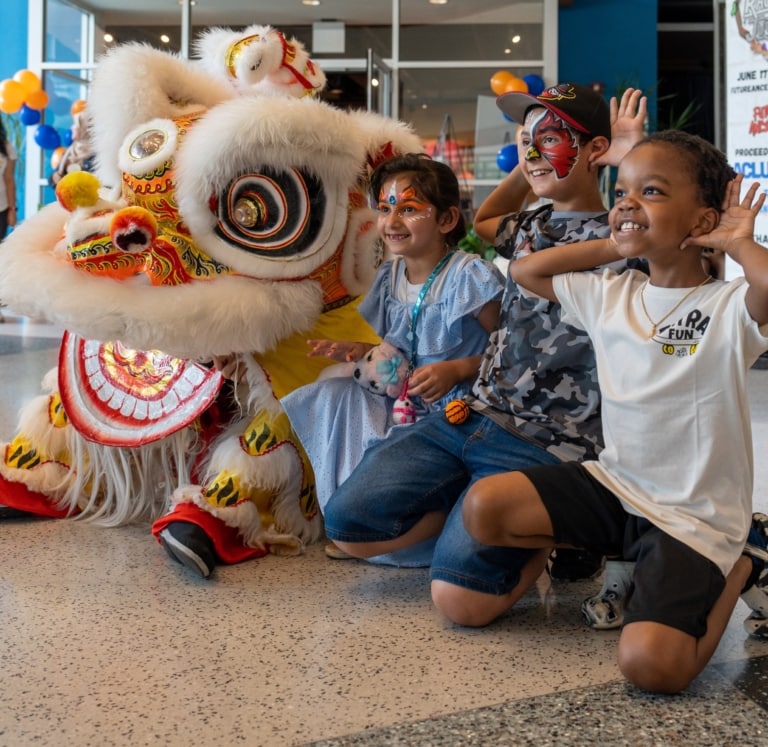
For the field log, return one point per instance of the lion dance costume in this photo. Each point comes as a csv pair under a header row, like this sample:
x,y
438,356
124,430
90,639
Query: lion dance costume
x,y
228,215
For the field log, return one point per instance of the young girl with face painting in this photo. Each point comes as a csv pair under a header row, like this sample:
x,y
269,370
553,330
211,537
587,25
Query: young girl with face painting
x,y
434,303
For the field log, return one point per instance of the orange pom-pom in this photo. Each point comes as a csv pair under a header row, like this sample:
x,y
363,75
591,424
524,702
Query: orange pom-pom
x,y
78,189
456,411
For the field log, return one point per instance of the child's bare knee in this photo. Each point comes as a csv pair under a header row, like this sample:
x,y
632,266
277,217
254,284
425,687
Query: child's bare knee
x,y
653,670
482,511
461,606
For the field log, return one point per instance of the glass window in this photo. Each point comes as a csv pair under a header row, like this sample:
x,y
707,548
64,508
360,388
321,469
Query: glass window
x,y
68,33
522,41
64,88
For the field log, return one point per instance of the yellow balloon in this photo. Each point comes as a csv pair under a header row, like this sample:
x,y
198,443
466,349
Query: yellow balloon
x,y
516,84
37,100
28,80
499,81
77,107
12,96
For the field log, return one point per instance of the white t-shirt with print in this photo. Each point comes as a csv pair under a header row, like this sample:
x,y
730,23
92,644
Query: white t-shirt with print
x,y
676,422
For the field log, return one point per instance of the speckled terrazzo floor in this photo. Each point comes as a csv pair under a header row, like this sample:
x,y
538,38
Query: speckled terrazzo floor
x,y
106,642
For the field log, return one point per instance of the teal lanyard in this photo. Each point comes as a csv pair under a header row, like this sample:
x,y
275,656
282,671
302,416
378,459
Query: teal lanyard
x,y
417,306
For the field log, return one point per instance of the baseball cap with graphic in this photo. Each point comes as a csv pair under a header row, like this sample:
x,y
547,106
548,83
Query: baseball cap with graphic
x,y
578,106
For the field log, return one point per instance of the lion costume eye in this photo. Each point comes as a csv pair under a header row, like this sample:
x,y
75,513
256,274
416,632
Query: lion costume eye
x,y
272,212
148,150
147,144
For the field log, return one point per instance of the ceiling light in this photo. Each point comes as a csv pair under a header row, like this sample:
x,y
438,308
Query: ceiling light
x,y
164,38
108,38
310,2
438,2
516,39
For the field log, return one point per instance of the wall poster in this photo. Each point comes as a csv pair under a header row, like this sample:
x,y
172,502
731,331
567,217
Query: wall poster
x,y
746,75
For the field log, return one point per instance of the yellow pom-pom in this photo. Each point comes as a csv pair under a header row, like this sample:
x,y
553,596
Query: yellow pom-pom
x,y
456,411
78,189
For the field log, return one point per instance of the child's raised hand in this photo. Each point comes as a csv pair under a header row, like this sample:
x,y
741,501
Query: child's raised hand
x,y
627,125
737,221
338,350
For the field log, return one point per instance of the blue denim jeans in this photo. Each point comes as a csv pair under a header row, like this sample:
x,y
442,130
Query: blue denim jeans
x,y
425,467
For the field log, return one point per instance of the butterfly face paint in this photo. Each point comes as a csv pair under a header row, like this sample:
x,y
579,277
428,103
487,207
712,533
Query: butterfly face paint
x,y
552,140
403,202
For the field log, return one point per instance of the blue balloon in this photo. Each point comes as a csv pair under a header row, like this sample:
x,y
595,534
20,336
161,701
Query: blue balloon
x,y
535,83
66,138
507,158
28,116
47,137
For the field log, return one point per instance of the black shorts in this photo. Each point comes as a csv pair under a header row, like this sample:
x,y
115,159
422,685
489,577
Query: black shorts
x,y
672,584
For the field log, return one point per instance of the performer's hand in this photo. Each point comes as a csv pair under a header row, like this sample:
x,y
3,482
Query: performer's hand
x,y
229,365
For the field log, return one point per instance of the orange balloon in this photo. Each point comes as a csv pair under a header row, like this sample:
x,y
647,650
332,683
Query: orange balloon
x,y
57,155
37,100
8,107
77,107
516,84
12,94
28,80
499,81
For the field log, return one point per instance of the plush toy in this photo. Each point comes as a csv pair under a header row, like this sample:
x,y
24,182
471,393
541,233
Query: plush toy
x,y
404,410
382,370
217,223
261,60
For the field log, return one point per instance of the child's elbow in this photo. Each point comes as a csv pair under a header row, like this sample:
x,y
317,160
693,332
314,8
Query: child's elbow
x,y
520,273
530,281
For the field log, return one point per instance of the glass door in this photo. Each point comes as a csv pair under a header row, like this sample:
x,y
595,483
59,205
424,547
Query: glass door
x,y
379,85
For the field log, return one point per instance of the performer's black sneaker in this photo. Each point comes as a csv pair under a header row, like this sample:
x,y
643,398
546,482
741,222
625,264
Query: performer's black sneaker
x,y
188,544
6,512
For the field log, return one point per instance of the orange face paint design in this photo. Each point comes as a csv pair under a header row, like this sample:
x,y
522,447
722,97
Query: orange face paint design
x,y
404,203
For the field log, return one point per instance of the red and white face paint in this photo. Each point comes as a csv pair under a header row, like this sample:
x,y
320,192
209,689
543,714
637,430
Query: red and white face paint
x,y
552,140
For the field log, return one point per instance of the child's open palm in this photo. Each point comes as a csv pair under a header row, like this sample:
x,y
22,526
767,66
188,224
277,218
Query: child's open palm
x,y
737,221
627,125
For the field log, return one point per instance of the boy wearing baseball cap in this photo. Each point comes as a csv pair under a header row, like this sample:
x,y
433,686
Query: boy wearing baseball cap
x,y
564,138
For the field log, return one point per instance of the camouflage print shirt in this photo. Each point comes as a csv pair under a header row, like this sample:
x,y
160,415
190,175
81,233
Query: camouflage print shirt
x,y
537,377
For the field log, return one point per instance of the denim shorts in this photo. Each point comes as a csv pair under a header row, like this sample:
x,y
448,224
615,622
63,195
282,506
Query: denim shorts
x,y
425,467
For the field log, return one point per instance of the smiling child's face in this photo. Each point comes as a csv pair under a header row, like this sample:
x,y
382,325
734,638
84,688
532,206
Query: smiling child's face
x,y
657,202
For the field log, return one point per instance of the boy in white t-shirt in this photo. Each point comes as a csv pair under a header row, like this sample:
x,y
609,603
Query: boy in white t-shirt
x,y
672,489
